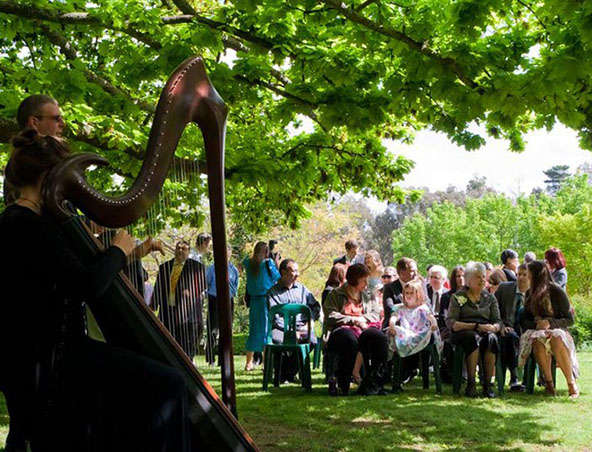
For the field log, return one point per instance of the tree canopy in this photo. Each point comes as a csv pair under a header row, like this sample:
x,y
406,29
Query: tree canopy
x,y
313,87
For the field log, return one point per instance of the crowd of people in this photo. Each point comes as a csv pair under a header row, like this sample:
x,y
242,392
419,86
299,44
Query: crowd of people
x,y
370,312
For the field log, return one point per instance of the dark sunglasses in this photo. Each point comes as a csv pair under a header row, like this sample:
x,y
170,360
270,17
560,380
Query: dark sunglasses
x,y
56,118
388,276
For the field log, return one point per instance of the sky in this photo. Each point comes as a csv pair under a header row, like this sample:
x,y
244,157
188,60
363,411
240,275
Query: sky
x,y
440,163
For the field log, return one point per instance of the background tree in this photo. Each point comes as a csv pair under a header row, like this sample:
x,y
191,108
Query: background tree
x,y
556,175
313,87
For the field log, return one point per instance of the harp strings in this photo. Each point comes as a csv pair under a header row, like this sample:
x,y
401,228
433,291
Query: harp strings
x,y
184,311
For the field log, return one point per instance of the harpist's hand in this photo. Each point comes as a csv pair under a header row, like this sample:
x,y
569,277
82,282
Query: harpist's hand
x,y
124,242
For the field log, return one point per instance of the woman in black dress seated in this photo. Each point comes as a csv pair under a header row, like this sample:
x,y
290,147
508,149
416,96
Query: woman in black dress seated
x,y
474,319
64,391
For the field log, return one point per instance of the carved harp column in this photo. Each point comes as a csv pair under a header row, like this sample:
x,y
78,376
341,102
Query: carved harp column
x,y
187,97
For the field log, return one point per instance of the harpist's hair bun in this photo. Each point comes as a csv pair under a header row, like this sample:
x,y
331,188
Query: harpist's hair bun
x,y
32,156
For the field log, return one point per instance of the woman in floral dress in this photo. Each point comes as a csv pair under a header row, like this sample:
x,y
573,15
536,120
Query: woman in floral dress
x,y
547,315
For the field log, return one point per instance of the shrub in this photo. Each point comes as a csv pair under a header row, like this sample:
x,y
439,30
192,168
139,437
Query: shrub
x,y
582,329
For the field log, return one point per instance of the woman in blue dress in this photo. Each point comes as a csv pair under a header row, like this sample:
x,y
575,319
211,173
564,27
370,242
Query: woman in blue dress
x,y
262,273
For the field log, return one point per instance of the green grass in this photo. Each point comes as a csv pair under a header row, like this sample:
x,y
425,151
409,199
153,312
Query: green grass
x,y
289,419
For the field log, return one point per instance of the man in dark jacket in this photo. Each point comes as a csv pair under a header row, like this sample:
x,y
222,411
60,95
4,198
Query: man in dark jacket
x,y
510,297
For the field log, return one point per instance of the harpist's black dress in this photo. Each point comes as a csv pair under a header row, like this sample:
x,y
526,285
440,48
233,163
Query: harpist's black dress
x,y
68,392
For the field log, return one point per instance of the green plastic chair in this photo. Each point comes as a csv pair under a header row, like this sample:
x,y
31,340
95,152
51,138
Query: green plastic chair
x,y
457,367
273,352
529,373
424,358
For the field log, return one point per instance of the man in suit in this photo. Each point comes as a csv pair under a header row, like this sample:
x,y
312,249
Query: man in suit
x,y
510,263
178,294
393,292
437,277
510,296
351,255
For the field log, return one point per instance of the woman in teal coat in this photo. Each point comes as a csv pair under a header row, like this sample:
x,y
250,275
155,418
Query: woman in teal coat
x,y
262,273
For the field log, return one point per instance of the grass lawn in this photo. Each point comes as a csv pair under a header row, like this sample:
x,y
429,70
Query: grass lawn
x,y
289,419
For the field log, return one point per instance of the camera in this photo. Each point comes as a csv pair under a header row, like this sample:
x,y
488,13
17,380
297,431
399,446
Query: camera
x,y
275,255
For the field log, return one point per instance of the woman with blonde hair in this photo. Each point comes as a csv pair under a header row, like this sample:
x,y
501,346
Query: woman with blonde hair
x,y
547,315
413,325
262,273
373,261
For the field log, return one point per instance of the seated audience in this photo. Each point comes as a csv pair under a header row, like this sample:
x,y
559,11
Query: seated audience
x,y
510,263
389,275
556,262
529,256
413,325
373,261
289,290
457,281
547,315
352,324
407,271
475,322
495,278
437,278
336,279
510,297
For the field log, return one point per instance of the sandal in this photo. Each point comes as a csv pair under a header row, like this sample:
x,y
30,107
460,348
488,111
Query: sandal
x,y
249,368
574,391
550,388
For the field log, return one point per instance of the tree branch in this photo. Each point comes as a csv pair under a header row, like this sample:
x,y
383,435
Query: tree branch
x,y
73,18
419,47
70,53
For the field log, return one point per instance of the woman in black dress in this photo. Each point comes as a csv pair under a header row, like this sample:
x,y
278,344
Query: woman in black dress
x,y
64,391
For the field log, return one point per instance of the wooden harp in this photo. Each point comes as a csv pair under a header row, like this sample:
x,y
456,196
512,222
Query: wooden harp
x,y
122,315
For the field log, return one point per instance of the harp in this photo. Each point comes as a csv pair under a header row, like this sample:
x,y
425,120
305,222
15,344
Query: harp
x,y
122,315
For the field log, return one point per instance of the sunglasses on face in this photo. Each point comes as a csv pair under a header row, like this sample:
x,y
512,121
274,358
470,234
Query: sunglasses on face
x,y
388,276
56,118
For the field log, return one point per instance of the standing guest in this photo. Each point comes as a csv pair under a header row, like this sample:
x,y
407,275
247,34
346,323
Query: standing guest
x,y
373,261
457,282
289,290
202,247
495,278
475,322
262,273
350,325
529,256
556,262
392,292
213,321
178,295
336,279
510,263
48,362
436,289
351,255
413,325
510,296
547,315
